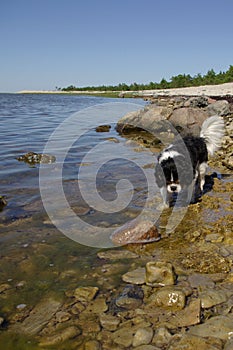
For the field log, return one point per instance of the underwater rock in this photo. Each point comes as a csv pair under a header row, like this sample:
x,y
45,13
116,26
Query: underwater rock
x,y
36,158
38,317
159,273
62,316
137,276
124,336
169,297
189,316
130,298
135,231
216,327
3,202
162,337
97,306
63,335
103,128
189,342
143,336
85,294
92,345
109,322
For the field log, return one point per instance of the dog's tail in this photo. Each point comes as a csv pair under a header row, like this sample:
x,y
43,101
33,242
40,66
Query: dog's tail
x,y
212,131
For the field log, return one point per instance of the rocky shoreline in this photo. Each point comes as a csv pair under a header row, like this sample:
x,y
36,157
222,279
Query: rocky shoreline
x,y
171,294
164,117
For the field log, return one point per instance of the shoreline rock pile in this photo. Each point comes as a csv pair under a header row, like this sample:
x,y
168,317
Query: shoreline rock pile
x,y
165,117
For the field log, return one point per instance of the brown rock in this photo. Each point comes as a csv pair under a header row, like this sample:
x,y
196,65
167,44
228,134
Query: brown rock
x,y
159,273
38,317
85,293
135,232
188,119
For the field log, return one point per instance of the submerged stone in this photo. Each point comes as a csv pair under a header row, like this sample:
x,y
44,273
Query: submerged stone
x,y
3,202
169,297
159,273
188,342
33,158
143,336
220,327
137,276
189,316
63,335
38,317
109,322
103,128
130,298
85,293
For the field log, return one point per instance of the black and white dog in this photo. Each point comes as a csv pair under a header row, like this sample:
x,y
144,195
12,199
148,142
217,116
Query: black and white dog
x,y
183,164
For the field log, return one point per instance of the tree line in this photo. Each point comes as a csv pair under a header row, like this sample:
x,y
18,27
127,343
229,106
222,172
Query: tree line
x,y
180,80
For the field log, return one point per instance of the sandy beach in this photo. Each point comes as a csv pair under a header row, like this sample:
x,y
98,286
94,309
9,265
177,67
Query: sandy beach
x,y
208,90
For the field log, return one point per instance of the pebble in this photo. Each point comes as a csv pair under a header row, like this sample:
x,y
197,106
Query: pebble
x,y
159,273
189,316
3,202
130,298
103,128
161,337
214,238
38,317
1,320
170,297
92,345
124,336
77,308
21,306
63,335
85,294
198,280
109,322
143,336
211,298
217,327
62,316
137,276
97,306
189,342
4,287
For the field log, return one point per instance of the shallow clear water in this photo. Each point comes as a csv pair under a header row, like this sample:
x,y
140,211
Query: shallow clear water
x,y
83,156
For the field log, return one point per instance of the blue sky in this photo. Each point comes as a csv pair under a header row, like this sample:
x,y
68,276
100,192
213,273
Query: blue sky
x,y
50,43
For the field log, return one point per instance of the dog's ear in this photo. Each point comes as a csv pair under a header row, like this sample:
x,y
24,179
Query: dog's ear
x,y
159,176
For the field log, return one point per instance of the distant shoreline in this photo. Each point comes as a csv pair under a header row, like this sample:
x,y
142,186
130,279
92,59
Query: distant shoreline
x,y
208,90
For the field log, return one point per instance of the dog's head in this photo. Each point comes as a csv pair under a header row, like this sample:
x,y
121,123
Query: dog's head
x,y
174,174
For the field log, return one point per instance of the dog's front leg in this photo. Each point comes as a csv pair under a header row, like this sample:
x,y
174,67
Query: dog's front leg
x,y
165,204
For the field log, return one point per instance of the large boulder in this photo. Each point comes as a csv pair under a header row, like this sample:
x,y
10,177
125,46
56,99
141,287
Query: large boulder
x,y
221,107
188,120
151,119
